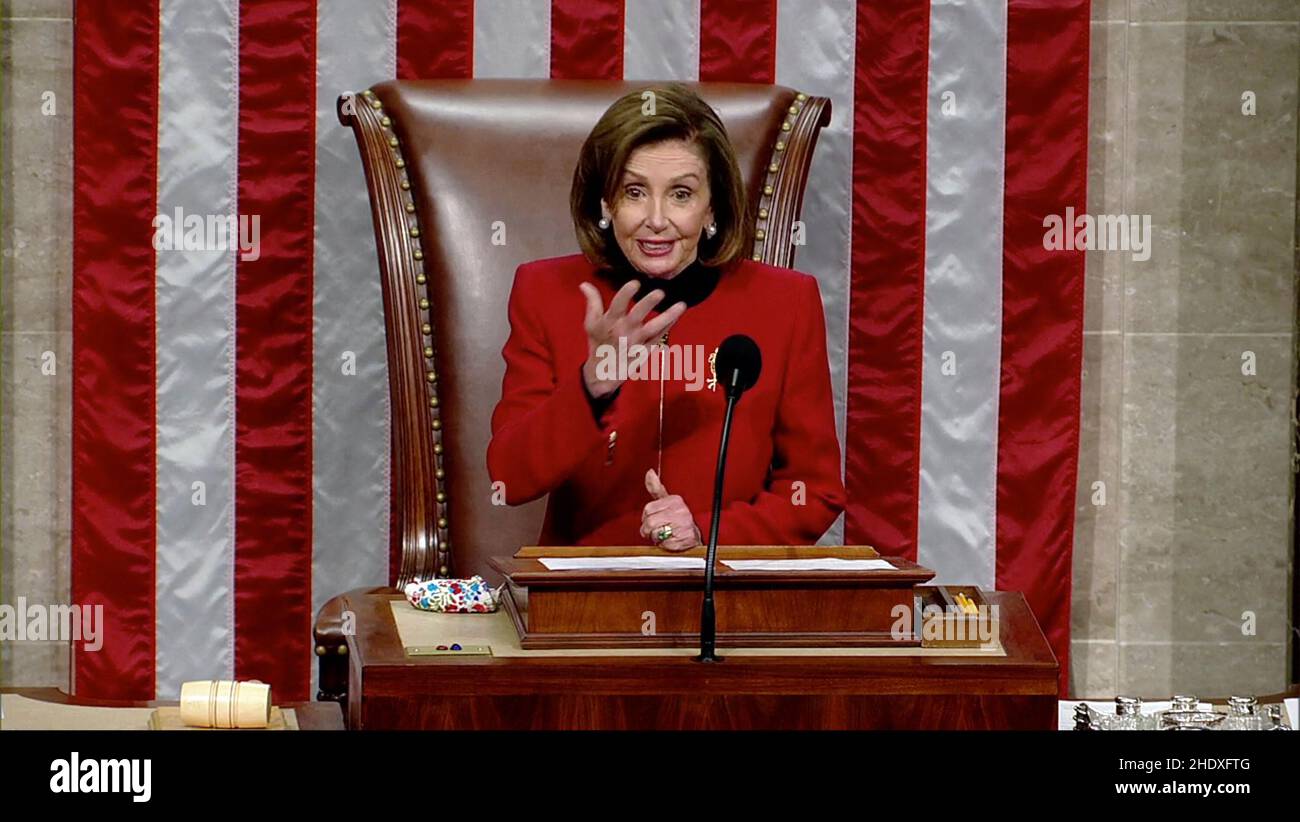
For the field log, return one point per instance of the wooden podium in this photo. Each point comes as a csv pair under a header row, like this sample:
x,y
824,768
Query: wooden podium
x,y
774,607
569,652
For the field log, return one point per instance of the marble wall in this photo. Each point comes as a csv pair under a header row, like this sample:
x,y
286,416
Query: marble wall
x,y
35,322
1189,356
1193,456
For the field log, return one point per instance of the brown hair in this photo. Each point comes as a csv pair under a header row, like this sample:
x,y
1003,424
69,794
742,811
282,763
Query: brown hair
x,y
679,114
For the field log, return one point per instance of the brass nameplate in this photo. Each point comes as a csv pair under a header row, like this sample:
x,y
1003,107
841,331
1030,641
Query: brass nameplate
x,y
438,650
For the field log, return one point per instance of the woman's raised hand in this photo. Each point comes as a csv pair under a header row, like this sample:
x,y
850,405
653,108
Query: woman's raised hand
x,y
605,327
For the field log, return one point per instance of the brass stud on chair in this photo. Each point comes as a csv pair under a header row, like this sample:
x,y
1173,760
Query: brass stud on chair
x,y
410,208
421,279
784,126
758,257
780,145
767,190
320,650
762,213
418,254
433,401
441,497
437,425
794,109
801,97
437,448
424,304
400,163
392,141
405,185
772,167
760,234
385,122
442,522
415,231
431,376
443,570
438,474
426,329
428,351
342,650
376,105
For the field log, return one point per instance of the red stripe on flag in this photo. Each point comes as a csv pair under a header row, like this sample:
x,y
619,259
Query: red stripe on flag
x,y
1042,309
435,39
113,431
273,323
882,469
587,39
738,41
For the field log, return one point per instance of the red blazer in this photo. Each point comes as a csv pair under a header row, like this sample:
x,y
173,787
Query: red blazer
x,y
547,439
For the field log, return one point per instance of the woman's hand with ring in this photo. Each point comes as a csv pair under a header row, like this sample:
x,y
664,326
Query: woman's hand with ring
x,y
667,511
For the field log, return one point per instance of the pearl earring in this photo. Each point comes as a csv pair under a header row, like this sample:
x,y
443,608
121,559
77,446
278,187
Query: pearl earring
x,y
711,229
603,223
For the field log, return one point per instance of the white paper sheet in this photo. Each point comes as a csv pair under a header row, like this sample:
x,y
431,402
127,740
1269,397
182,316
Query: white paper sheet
x,y
621,563
816,564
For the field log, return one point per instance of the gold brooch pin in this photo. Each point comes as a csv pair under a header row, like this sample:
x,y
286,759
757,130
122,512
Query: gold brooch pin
x,y
713,371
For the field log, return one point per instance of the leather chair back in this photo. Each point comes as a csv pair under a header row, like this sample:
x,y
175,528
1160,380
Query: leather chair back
x,y
468,179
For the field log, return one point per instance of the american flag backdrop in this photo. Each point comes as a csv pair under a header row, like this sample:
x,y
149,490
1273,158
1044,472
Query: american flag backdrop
x,y
230,434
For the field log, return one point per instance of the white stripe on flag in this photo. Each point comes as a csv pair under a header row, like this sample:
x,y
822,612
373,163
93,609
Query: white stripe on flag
x,y
512,38
962,345
356,47
814,54
197,156
661,40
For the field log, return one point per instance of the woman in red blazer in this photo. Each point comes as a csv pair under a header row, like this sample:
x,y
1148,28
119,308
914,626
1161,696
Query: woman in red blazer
x,y
625,441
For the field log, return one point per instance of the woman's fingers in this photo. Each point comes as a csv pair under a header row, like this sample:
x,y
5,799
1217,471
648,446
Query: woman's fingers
x,y
657,507
654,486
650,527
644,306
607,326
656,327
668,506
594,306
684,538
618,305
673,511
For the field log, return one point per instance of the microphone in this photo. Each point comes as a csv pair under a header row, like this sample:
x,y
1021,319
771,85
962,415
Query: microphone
x,y
737,365
738,353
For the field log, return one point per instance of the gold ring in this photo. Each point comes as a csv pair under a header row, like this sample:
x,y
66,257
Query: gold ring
x,y
664,533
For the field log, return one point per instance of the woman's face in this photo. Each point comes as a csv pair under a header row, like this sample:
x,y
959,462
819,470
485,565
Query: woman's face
x,y
662,206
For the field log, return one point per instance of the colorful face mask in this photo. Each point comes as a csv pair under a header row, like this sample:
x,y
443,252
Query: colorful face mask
x,y
453,596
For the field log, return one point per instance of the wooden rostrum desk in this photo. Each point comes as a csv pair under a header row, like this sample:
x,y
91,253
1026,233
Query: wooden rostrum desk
x,y
863,682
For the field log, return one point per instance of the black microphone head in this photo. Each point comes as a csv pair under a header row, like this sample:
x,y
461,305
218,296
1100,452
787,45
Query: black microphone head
x,y
738,353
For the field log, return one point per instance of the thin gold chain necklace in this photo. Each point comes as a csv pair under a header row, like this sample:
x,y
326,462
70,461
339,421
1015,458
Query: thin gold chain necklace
x,y
664,343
